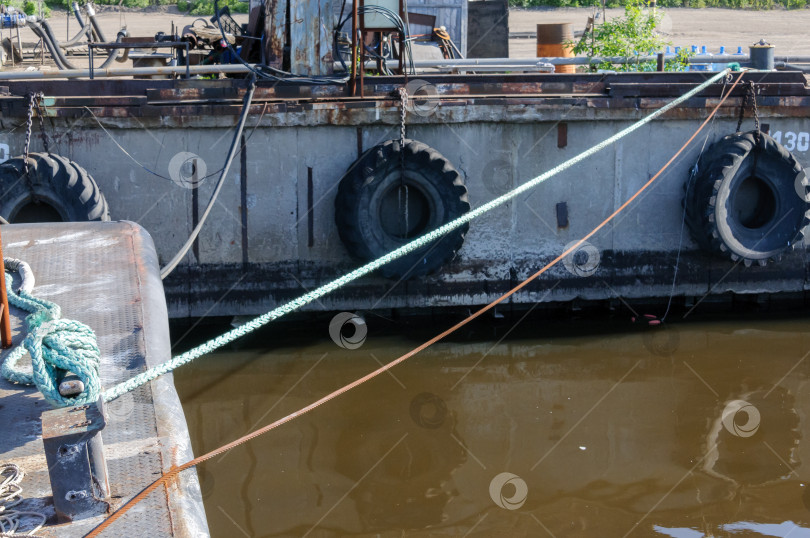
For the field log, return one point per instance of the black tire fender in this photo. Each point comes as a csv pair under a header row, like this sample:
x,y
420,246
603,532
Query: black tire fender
x,y
369,194
744,201
55,181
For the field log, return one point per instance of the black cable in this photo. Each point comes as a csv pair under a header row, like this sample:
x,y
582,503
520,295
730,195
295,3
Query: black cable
x,y
96,27
60,61
335,45
398,23
212,174
262,70
56,51
340,17
84,29
169,267
75,39
78,15
114,53
374,54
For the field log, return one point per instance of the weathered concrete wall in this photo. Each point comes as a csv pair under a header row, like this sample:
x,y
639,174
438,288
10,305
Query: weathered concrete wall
x,y
255,251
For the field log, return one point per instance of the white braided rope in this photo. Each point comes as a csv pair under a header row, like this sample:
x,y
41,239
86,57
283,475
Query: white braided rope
x,y
14,265
11,496
416,244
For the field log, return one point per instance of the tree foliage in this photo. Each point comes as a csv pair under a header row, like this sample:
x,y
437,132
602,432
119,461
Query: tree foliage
x,y
733,4
629,36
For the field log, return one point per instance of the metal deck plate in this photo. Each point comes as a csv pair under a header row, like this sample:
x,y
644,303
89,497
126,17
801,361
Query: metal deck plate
x,y
106,276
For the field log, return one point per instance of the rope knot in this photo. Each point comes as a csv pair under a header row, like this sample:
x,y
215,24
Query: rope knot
x,y
40,317
59,346
56,346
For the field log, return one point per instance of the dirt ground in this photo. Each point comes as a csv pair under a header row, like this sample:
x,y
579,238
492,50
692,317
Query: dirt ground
x,y
713,27
137,23
683,27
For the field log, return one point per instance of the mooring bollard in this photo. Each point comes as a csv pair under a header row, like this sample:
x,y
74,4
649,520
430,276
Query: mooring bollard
x,y
761,55
76,465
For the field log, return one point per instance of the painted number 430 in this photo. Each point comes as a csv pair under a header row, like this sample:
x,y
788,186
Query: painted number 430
x,y
797,141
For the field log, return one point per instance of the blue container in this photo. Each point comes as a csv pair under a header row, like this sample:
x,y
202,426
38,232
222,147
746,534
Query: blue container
x,y
12,20
720,66
701,66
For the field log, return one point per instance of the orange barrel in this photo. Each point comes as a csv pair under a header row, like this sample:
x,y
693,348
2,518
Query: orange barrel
x,y
551,40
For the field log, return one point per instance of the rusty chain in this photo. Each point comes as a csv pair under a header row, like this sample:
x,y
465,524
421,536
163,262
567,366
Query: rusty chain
x,y
403,105
33,101
750,96
28,124
753,89
41,115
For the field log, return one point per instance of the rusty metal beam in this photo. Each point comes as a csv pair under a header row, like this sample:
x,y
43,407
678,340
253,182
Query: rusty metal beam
x,y
612,95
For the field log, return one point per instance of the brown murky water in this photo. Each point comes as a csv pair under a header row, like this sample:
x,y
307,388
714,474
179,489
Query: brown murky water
x,y
578,429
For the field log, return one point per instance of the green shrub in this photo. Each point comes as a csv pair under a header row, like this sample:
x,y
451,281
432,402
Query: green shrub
x,y
734,4
206,7
627,37
196,7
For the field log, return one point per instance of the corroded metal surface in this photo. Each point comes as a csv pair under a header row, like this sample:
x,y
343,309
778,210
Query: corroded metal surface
x,y
273,236
275,23
505,98
105,275
311,31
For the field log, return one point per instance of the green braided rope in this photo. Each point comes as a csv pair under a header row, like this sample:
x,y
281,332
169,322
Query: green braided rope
x,y
56,346
416,244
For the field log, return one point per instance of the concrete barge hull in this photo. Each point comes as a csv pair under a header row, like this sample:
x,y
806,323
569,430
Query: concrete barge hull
x,y
272,233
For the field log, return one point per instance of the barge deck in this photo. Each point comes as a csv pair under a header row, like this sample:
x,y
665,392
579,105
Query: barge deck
x,y
106,276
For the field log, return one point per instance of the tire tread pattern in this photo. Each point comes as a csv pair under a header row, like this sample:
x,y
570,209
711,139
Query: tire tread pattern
x,y
376,162
56,179
715,169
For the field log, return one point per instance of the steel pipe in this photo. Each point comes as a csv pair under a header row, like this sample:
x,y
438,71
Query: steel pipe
x,y
123,72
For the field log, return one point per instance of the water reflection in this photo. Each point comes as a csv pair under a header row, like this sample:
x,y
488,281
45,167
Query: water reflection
x,y
684,430
410,482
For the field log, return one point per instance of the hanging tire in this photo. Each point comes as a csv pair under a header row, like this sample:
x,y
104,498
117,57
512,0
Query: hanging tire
x,y
750,214
370,208
57,190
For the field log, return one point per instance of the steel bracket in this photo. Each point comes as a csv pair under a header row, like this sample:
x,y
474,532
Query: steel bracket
x,y
76,466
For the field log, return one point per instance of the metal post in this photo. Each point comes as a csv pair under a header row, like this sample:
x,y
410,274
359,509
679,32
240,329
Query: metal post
x,y
5,318
90,52
761,55
362,48
19,42
403,16
660,62
353,79
75,455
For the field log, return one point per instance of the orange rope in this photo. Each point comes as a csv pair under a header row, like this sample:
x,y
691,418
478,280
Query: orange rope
x,y
175,470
